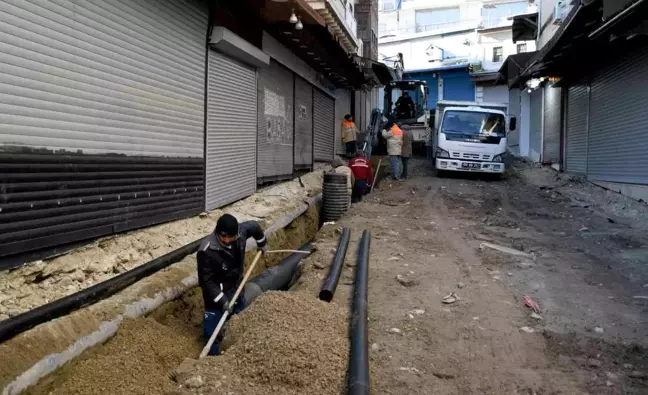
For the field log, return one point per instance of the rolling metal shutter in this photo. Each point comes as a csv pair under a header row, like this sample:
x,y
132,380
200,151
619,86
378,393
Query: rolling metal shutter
x,y
231,131
458,87
101,118
535,132
513,139
576,138
323,126
496,94
303,124
275,124
616,148
342,108
552,124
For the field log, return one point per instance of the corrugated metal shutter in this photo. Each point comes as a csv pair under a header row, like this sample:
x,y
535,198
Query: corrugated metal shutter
x,y
552,124
323,126
303,124
231,131
496,94
513,139
577,113
342,108
458,87
275,138
535,131
617,144
101,118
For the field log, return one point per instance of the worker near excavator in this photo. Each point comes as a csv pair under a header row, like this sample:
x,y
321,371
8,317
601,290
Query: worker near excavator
x,y
349,135
221,269
394,137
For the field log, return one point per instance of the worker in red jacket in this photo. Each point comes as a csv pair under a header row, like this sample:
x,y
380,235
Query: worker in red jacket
x,y
363,175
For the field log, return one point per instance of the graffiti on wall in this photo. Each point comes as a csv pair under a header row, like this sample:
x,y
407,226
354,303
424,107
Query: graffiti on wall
x,y
278,130
302,114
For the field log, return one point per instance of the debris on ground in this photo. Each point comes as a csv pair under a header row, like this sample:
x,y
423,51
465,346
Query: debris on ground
x,y
406,281
527,329
530,303
506,250
395,331
285,343
450,298
536,316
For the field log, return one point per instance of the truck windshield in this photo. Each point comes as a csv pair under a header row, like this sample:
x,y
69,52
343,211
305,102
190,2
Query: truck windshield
x,y
474,124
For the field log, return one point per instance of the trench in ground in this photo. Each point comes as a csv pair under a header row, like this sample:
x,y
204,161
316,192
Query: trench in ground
x,y
139,358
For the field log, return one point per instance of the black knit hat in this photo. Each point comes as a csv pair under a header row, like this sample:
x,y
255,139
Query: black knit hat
x,y
227,225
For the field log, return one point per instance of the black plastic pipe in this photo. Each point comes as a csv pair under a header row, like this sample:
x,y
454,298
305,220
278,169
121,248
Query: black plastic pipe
x,y
276,278
331,281
359,355
22,322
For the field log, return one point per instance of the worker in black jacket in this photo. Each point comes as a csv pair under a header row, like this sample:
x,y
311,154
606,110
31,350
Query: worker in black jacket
x,y
221,269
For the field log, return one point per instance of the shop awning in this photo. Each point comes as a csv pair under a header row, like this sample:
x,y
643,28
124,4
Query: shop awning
x,y
513,66
314,43
525,27
559,54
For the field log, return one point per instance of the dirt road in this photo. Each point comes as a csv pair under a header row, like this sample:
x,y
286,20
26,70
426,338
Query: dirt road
x,y
584,266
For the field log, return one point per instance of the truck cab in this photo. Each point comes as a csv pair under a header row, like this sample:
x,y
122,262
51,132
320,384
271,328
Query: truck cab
x,y
471,137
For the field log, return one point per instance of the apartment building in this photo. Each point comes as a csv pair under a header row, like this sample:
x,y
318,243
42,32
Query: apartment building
x,y
457,46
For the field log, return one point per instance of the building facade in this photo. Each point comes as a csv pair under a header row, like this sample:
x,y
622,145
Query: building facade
x,y
124,115
457,46
590,70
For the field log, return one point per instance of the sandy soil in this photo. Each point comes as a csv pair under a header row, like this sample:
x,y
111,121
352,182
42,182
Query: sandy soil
x,y
41,282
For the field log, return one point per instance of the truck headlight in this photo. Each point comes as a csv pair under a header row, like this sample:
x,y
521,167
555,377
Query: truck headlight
x,y
441,153
499,158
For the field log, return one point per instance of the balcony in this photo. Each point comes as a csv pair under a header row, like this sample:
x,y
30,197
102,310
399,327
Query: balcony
x,y
341,21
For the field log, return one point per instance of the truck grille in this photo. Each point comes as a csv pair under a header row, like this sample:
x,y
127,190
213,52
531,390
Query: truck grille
x,y
470,156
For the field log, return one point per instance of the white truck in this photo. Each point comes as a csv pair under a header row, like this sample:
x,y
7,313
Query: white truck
x,y
471,136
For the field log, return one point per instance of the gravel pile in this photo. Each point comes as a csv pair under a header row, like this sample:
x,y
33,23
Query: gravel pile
x,y
285,343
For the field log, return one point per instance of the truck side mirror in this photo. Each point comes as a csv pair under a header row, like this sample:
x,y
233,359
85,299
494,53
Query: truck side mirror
x,y
513,123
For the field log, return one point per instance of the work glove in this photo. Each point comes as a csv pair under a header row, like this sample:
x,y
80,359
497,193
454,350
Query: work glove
x,y
224,304
263,248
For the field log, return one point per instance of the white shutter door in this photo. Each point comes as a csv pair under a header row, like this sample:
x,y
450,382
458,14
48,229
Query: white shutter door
x,y
103,76
231,131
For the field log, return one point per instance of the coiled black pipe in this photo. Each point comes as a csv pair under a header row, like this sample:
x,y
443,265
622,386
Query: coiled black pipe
x,y
276,278
58,308
331,281
359,355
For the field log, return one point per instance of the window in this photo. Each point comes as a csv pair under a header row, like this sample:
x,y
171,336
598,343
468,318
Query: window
x,y
498,54
431,19
389,5
521,48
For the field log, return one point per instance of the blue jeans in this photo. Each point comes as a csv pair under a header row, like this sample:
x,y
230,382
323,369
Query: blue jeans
x,y
395,161
211,318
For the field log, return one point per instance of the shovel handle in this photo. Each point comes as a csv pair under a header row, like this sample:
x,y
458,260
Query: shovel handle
x,y
209,344
291,251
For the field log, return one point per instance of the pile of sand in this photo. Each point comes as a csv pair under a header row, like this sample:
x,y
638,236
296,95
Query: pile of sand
x,y
138,359
285,343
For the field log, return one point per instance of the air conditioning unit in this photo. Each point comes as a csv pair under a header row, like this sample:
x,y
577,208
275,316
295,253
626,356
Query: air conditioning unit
x,y
560,10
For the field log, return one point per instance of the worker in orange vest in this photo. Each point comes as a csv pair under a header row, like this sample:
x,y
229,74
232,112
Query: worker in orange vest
x,y
349,135
394,136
